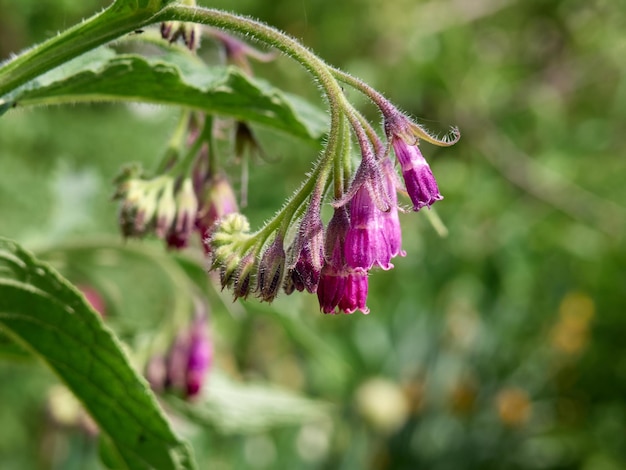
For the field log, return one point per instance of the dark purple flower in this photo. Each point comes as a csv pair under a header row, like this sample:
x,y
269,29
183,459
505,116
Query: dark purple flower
x,y
340,285
333,275
331,287
418,177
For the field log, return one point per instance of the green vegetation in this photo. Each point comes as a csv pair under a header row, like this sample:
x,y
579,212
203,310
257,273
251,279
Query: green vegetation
x,y
498,346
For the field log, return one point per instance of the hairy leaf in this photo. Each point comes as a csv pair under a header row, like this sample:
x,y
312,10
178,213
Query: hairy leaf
x,y
44,313
175,78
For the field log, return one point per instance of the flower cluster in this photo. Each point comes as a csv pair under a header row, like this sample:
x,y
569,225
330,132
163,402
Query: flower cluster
x,y
178,202
295,250
172,207
363,234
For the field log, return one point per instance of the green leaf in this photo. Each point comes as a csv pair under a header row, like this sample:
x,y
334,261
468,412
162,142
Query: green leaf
x,y
135,5
11,349
47,315
175,78
234,407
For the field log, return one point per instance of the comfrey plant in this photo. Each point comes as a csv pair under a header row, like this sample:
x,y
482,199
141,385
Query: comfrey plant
x,y
361,173
190,193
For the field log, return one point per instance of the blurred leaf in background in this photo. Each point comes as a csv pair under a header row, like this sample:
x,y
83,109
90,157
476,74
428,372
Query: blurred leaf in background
x,y
499,346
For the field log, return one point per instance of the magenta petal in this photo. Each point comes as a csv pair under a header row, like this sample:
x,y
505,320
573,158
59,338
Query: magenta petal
x,y
355,293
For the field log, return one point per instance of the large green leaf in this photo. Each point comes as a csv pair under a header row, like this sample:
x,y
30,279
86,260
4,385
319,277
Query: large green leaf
x,y
174,78
44,313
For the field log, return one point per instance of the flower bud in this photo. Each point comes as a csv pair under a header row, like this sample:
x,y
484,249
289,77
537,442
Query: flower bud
x,y
307,269
244,276
271,269
166,211
189,32
186,210
230,230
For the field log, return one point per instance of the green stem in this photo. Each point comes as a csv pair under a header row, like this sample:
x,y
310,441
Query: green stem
x,y
174,145
339,168
377,98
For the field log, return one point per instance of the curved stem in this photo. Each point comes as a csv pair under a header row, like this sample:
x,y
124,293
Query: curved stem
x,y
377,98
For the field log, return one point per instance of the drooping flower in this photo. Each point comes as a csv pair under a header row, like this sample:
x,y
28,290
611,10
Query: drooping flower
x,y
404,136
355,292
366,244
333,276
418,177
340,286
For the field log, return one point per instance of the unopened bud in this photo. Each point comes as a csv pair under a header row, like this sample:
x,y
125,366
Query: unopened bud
x,y
244,276
271,270
189,32
166,211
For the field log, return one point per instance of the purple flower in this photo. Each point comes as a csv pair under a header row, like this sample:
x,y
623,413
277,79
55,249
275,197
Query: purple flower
x,y
333,276
331,287
340,285
199,356
390,220
366,243
355,292
418,177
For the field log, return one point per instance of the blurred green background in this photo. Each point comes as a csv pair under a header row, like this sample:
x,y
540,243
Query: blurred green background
x,y
500,346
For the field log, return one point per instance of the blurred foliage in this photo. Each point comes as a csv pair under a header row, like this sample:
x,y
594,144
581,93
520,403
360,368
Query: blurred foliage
x,y
499,346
